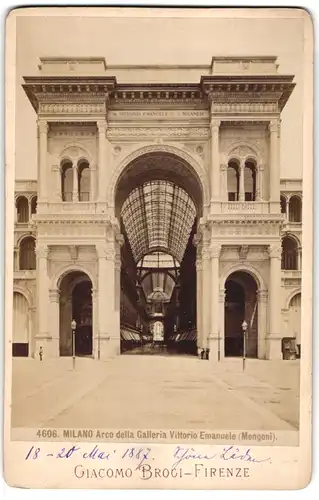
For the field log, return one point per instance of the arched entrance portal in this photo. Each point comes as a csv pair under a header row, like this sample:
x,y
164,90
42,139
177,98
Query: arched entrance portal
x,y
20,340
240,305
158,201
295,319
76,303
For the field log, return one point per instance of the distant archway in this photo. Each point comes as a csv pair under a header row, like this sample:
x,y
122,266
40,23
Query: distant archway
x,y
76,303
240,305
20,327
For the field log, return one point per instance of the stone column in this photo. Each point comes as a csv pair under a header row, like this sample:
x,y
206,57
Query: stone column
x,y
223,182
273,341
57,182
102,167
206,294
75,193
92,181
54,314
214,302
287,208
109,334
262,297
214,164
260,183
29,210
95,330
241,196
299,253
221,340
199,299
42,336
42,160
274,129
16,259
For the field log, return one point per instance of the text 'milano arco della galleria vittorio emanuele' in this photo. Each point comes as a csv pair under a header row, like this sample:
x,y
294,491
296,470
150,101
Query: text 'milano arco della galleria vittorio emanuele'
x,y
159,214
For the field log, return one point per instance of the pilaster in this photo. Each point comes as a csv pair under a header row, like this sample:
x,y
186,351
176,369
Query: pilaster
x,y
214,302
214,165
274,147
102,172
273,341
42,160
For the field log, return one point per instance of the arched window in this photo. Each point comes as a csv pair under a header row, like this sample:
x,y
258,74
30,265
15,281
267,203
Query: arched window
x,y
22,209
27,254
289,258
34,202
84,181
250,181
67,181
233,181
295,209
283,204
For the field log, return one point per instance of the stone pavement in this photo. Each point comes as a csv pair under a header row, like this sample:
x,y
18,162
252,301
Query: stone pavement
x,y
167,392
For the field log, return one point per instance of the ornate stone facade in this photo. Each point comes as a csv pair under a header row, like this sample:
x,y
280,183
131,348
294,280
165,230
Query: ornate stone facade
x,y
202,129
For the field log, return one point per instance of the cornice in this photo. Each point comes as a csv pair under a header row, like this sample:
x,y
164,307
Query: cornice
x,y
271,89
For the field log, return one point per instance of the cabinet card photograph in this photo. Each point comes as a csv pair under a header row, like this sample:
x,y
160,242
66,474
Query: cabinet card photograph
x,y
159,247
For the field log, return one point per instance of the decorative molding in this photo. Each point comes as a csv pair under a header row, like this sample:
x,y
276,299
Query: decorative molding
x,y
158,114
262,296
43,126
54,295
128,132
243,252
71,108
73,249
215,251
245,107
275,251
42,251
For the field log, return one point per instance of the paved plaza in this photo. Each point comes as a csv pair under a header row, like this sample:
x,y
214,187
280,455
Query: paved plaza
x,y
155,392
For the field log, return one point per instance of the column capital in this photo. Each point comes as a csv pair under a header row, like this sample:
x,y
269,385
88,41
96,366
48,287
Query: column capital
x,y
242,163
43,126
101,126
105,252
262,295
54,295
274,126
223,167
275,251
215,250
222,295
199,265
42,251
261,167
214,124
56,168
206,252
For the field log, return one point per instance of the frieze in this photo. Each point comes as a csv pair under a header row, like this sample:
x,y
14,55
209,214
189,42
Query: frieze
x,y
158,132
158,114
291,282
245,107
71,108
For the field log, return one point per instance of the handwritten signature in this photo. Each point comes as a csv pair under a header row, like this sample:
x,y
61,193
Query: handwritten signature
x,y
227,453
142,455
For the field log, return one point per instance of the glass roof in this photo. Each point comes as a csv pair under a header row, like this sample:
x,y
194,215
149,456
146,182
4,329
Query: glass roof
x,y
158,215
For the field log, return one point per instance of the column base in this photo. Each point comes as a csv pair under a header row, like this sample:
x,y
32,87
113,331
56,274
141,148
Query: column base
x,y
273,348
106,348
50,347
214,346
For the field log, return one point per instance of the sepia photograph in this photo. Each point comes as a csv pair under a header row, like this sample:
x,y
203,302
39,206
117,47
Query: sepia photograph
x,y
158,228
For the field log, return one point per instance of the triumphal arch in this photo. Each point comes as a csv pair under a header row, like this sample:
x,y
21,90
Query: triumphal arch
x,y
158,213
